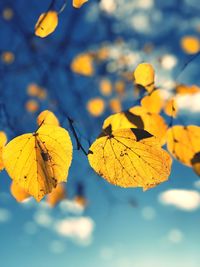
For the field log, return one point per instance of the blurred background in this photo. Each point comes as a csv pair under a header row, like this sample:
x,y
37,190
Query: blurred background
x,y
84,71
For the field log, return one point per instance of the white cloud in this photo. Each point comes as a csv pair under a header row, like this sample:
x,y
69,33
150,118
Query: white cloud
x,y
188,200
108,6
71,206
168,61
79,229
189,102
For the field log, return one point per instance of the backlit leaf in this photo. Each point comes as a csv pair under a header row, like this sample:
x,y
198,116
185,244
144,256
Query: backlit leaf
x,y
79,3
46,24
83,64
47,117
130,158
153,102
18,192
144,76
57,194
183,142
39,161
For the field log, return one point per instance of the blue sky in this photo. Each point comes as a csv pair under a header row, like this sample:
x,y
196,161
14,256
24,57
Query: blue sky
x,y
119,227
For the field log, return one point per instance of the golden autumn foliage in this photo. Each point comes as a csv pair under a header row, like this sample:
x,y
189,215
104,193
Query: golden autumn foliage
x,y
153,123
183,142
105,87
78,3
46,24
144,76
130,158
7,57
96,106
47,117
3,140
83,64
32,105
115,105
190,44
57,194
171,108
153,102
183,89
39,161
138,117
18,192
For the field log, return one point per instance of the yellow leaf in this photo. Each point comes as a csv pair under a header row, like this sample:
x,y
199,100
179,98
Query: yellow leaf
x,y
123,120
96,106
32,105
39,161
195,161
33,89
144,76
46,24
115,105
3,140
18,192
7,57
153,103
183,89
105,87
120,87
47,117
83,64
130,158
57,194
190,44
153,123
183,142
79,3
171,108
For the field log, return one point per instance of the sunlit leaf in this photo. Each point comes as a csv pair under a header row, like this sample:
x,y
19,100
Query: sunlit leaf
x,y
144,76
153,123
190,44
7,57
96,106
79,3
47,117
33,89
46,24
39,161
106,87
183,89
183,142
123,120
57,194
130,158
171,108
83,64
18,192
120,87
115,105
32,105
153,102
